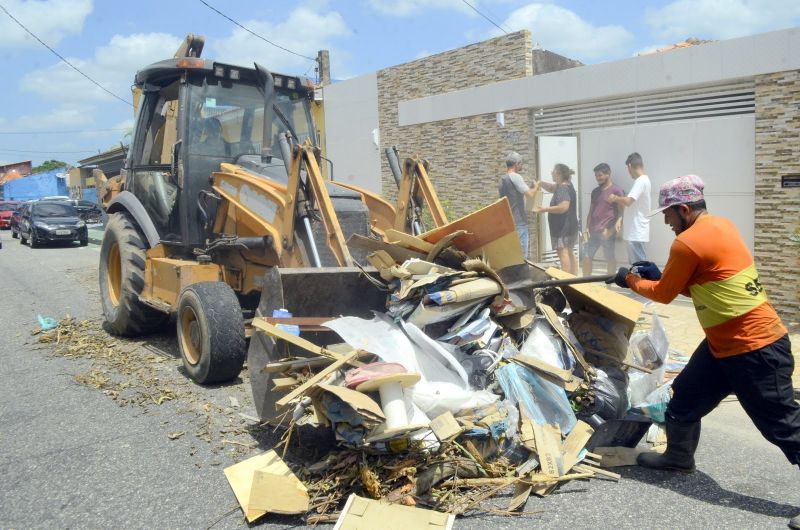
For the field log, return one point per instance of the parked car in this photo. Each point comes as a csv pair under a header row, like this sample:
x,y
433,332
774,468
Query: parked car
x,y
50,221
88,211
6,209
15,217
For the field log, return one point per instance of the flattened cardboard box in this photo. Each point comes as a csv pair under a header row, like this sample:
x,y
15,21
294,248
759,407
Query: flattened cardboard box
x,y
598,299
366,514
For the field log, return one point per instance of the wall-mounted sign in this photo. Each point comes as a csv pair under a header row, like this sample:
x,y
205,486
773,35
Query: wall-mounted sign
x,y
790,181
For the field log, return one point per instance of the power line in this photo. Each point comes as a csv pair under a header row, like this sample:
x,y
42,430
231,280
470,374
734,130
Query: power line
x,y
46,152
62,132
20,24
223,15
484,16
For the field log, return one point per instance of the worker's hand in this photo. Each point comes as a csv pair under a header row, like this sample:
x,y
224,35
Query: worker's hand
x,y
647,270
618,225
619,279
585,236
605,235
612,198
537,209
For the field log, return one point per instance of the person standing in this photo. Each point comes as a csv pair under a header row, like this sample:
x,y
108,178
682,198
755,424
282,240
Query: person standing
x,y
562,216
513,187
602,220
746,351
636,206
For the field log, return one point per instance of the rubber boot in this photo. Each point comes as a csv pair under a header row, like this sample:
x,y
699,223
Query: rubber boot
x,y
682,438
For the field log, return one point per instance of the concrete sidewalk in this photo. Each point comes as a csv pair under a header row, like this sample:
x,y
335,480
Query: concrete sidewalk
x,y
96,234
684,331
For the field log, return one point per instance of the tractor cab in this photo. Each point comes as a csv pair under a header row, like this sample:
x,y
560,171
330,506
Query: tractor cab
x,y
196,114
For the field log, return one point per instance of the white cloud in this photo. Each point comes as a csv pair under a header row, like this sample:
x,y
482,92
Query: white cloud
x,y
720,19
113,66
50,20
404,8
304,32
563,31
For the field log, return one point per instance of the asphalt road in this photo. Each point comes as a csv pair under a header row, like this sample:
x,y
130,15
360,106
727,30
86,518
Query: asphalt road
x,y
87,437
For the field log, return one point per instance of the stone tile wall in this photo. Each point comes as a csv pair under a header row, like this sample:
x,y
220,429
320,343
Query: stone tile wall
x,y
777,146
467,155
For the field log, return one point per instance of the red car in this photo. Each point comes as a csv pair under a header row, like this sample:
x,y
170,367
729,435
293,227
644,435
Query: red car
x,y
6,209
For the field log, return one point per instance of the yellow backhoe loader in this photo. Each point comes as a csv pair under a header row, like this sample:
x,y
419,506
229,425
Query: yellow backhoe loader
x,y
221,213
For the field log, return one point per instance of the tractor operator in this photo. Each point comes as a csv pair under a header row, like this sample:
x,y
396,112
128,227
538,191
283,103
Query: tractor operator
x,y
746,350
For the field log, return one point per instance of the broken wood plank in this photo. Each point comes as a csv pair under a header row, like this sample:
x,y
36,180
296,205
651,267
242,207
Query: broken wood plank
x,y
585,468
294,364
282,384
278,333
321,375
408,241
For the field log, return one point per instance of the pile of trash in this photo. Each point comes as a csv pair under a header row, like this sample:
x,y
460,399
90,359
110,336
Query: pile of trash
x,y
483,373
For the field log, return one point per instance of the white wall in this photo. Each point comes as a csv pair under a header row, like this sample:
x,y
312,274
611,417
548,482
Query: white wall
x,y
711,63
351,123
720,150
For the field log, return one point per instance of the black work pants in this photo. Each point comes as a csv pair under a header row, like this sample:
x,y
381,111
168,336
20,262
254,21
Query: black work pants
x,y
760,379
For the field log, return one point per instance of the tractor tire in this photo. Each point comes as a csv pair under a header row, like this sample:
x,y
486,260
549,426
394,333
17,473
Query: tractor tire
x,y
122,262
211,332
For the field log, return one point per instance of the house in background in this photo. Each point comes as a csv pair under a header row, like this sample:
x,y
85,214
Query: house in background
x,y
36,186
724,110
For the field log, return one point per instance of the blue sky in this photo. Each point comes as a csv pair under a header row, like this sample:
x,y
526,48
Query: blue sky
x,y
51,111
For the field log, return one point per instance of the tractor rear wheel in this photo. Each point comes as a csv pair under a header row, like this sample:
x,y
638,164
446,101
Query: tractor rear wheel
x,y
211,332
122,262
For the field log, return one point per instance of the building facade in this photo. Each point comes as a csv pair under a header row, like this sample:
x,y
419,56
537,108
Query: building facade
x,y
727,111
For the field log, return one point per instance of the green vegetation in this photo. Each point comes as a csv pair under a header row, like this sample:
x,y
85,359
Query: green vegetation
x,y
47,165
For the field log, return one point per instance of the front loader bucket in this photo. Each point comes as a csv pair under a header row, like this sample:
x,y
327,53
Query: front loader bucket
x,y
305,292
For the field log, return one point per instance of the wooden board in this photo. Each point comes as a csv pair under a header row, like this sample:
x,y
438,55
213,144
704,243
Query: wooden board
x,y
490,232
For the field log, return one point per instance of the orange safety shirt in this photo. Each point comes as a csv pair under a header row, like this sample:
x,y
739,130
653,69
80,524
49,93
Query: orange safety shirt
x,y
709,262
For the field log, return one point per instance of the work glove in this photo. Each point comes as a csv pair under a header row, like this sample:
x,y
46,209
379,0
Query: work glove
x,y
619,278
647,270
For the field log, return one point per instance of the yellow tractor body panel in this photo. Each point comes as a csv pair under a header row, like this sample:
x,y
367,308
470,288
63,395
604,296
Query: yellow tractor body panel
x,y
165,278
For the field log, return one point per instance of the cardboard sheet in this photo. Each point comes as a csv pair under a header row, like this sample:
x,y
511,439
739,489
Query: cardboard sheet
x,y
263,484
362,514
598,299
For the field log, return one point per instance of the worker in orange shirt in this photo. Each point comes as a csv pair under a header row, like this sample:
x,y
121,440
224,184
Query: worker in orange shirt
x,y
746,350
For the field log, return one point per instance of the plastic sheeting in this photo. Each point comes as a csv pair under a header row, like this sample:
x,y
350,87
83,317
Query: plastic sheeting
x,y
443,385
36,186
539,399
